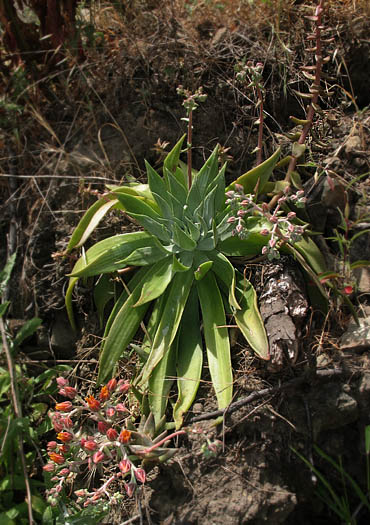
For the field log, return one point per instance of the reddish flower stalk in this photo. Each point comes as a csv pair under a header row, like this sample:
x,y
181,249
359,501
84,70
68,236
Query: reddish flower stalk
x,y
160,443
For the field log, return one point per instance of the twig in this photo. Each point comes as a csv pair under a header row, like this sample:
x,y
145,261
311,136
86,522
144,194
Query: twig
x,y
233,407
18,414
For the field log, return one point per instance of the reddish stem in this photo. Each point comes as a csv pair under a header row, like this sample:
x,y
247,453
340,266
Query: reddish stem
x,y
189,146
260,126
167,438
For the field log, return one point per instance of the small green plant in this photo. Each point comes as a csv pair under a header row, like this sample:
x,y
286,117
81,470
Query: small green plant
x,y
98,446
184,275
339,502
22,422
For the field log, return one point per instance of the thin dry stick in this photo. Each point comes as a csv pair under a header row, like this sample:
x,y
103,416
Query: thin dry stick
x,y
18,414
233,407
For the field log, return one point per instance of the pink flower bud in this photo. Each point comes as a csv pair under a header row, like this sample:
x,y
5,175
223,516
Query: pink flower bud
x,y
64,449
110,412
291,215
52,445
140,475
67,422
80,493
348,290
57,422
112,385
49,467
272,242
64,472
102,427
123,386
130,489
120,407
265,231
98,457
69,392
230,220
112,434
61,381
90,444
239,228
230,194
125,466
239,188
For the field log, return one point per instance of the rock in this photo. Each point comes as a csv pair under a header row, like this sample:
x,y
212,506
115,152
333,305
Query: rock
x,y
62,338
363,279
357,336
352,146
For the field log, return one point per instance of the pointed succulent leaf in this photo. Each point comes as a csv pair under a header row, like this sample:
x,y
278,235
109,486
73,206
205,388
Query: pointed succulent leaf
x,y
160,382
103,293
201,181
161,276
202,270
249,318
172,159
176,296
137,205
225,272
175,186
137,279
216,339
89,222
122,330
109,254
189,358
182,239
257,176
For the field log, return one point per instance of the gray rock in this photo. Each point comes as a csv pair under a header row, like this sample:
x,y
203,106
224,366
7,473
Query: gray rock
x,y
357,337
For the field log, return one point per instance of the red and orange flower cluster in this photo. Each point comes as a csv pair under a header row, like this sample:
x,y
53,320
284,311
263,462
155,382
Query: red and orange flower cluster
x,y
88,442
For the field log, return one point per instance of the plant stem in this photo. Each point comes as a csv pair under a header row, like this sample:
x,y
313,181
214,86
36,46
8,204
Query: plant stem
x,y
189,147
260,126
18,414
167,438
315,88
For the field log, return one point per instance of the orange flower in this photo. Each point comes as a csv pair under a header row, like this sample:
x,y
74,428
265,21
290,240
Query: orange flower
x,y
124,436
104,393
66,406
57,458
93,403
66,437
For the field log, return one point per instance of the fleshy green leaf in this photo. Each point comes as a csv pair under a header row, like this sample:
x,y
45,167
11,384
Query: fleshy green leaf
x,y
89,222
122,329
27,330
110,254
260,174
103,293
249,318
216,338
225,272
176,297
161,276
172,159
189,358
160,382
202,270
